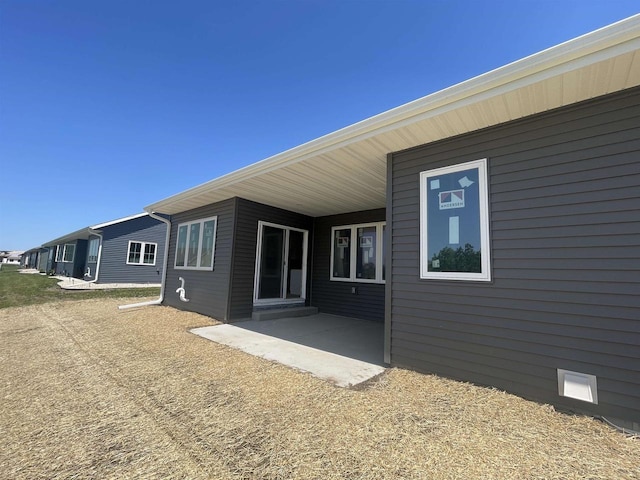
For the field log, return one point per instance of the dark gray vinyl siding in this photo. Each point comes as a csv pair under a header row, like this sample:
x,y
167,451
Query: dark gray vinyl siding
x,y
42,261
335,297
565,234
207,291
248,215
76,267
115,247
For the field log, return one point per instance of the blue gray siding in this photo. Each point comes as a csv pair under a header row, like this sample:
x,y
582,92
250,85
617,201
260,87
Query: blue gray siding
x,y
207,291
115,247
244,260
336,297
565,235
76,267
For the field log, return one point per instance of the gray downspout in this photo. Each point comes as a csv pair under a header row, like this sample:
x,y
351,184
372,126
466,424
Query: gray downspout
x,y
165,262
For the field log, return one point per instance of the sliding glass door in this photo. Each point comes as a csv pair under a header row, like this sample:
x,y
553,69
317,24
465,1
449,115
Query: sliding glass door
x,y
281,264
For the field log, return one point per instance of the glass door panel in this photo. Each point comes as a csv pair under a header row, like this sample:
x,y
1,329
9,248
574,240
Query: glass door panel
x,y
295,264
271,263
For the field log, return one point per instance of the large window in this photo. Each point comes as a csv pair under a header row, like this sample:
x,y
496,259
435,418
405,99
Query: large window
x,y
454,223
66,252
92,256
196,244
357,253
142,253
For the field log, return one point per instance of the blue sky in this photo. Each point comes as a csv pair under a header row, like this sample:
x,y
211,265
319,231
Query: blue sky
x,y
107,106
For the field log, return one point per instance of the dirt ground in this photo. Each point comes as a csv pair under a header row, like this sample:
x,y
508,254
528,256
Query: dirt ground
x,y
88,391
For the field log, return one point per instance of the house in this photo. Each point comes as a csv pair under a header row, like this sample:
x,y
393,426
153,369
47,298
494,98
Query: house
x,y
127,250
494,227
13,257
35,258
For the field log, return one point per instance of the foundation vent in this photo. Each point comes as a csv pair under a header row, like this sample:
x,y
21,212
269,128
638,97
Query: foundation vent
x,y
580,386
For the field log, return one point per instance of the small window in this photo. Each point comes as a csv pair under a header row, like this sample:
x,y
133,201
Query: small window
x,y
357,253
142,253
92,256
454,223
195,245
59,252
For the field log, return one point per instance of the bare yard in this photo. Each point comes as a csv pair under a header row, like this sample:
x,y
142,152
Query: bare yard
x,y
88,391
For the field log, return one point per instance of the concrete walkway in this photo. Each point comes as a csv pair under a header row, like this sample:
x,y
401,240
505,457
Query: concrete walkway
x,y
70,283
344,351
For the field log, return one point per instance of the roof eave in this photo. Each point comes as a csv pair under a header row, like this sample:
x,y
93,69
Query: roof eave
x,y
611,40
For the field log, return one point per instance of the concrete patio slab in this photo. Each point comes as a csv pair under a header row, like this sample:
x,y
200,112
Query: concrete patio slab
x,y
344,351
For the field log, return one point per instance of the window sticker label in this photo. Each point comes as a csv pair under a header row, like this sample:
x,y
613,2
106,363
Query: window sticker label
x,y
454,230
451,199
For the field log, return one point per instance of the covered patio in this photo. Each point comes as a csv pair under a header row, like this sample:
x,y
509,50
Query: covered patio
x,y
345,351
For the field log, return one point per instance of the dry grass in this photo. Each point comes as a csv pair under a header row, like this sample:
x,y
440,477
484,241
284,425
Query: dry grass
x,y
91,392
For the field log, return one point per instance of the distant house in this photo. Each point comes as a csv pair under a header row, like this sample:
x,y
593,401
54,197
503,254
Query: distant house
x,y
35,258
13,257
127,250
494,227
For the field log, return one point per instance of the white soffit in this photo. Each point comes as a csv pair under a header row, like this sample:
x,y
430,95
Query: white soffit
x,y
345,171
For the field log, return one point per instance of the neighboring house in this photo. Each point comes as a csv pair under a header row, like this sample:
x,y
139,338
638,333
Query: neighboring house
x,y
13,257
493,227
35,258
127,250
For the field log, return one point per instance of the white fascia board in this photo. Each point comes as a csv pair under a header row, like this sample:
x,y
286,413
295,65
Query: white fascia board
x,y
120,220
584,50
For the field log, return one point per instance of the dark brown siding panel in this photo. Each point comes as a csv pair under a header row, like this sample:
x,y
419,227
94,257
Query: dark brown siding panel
x,y
244,258
565,236
337,297
207,291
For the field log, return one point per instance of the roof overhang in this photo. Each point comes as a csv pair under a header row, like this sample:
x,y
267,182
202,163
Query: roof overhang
x,y
345,171
84,233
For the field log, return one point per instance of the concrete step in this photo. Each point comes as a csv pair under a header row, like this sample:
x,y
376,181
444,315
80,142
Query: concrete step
x,y
273,313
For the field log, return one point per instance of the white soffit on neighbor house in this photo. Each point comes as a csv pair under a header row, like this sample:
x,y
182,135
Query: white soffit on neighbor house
x,y
345,171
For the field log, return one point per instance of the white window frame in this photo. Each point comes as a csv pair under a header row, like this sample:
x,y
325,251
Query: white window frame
x,y
93,258
483,201
353,249
256,276
64,253
201,234
142,249
59,253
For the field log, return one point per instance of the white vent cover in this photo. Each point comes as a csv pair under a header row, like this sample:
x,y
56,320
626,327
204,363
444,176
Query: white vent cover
x,y
580,386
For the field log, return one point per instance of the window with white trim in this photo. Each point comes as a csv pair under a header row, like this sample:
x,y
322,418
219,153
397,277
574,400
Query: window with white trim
x,y
59,252
357,253
141,253
195,245
68,252
92,256
454,223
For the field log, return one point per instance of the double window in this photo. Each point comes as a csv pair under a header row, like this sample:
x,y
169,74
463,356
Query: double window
x,y
454,223
196,244
65,253
142,253
357,253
